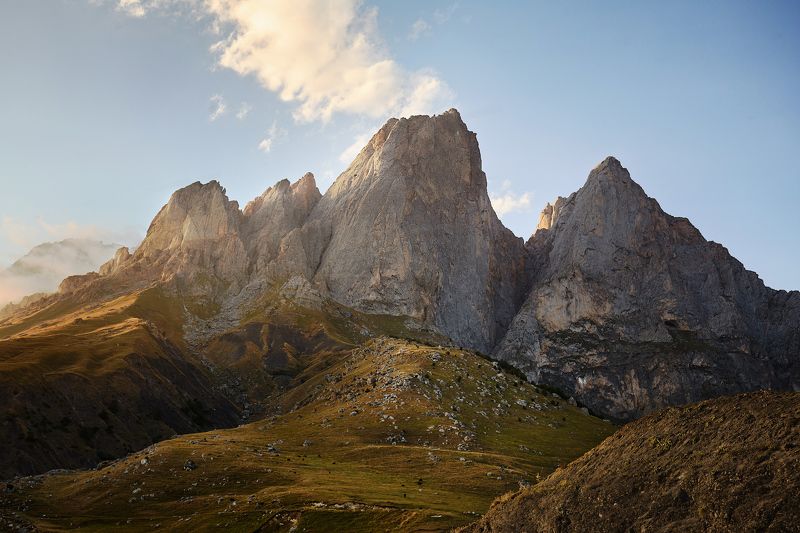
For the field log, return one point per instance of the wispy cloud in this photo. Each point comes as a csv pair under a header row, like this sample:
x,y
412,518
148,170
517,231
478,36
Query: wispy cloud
x,y
25,235
217,107
273,135
442,16
243,111
323,56
133,8
510,202
140,8
43,270
419,28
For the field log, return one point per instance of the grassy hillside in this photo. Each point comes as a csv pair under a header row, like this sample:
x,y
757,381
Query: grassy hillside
x,y
393,435
86,378
80,384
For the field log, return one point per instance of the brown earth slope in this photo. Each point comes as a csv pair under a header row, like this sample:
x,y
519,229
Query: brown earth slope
x,y
392,436
730,464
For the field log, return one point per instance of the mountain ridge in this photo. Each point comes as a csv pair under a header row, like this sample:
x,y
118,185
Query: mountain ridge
x,y
612,301
633,310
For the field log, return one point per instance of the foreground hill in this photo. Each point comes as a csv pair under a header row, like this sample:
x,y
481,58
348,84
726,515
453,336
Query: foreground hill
x,y
729,464
394,435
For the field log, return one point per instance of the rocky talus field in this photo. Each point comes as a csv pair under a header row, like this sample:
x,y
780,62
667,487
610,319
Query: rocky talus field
x,y
388,356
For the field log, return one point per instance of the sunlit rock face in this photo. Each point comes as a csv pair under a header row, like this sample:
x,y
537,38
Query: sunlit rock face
x,y
631,309
411,231
407,229
271,217
549,215
197,233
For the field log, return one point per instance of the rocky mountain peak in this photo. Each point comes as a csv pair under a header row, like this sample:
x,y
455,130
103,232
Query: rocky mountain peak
x,y
549,215
408,229
620,284
304,192
194,215
612,301
121,256
612,167
437,154
272,216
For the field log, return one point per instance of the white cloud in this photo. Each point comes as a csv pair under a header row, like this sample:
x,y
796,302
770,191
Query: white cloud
x,y
273,134
140,8
265,145
323,56
426,96
25,235
243,111
419,28
217,107
43,270
510,202
133,8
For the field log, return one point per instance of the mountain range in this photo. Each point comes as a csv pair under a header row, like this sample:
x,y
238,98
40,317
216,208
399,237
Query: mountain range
x,y
225,315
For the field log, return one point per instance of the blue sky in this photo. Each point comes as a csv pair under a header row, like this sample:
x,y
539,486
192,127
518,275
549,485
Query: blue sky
x,y
110,105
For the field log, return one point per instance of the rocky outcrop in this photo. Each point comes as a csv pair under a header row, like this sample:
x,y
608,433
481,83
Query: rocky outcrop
x,y
632,309
407,229
272,216
121,257
197,232
410,231
549,215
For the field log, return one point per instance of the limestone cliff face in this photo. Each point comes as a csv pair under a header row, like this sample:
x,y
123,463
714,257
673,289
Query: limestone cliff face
x,y
116,263
272,216
632,309
549,215
198,231
200,236
410,231
407,229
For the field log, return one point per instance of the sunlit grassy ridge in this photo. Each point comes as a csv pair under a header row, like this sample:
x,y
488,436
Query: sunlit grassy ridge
x,y
393,435
82,383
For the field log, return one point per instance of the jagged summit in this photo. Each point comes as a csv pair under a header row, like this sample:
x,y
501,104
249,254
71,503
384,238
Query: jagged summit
x,y
193,215
609,176
412,232
437,152
631,309
549,215
611,165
